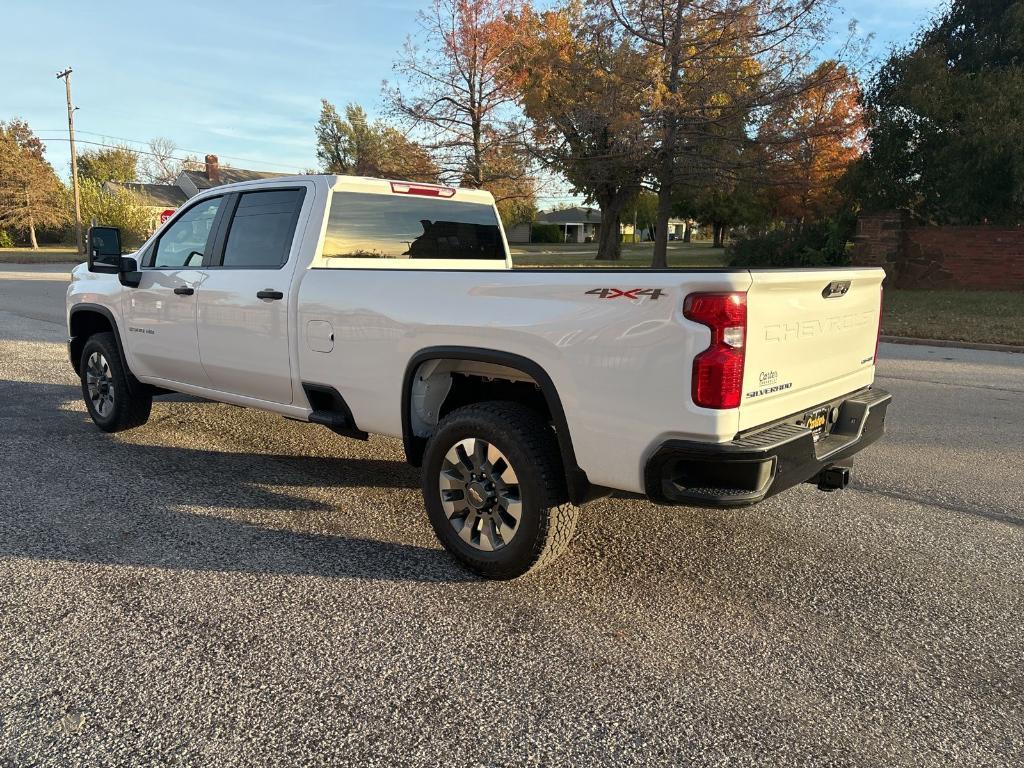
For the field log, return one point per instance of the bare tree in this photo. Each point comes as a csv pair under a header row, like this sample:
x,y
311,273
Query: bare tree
x,y
162,165
452,94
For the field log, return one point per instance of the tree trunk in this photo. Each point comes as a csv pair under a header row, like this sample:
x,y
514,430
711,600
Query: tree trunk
x,y
609,243
687,233
669,140
31,223
660,258
719,236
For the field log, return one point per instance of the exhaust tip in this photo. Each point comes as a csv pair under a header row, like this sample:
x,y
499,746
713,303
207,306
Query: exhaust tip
x,y
833,479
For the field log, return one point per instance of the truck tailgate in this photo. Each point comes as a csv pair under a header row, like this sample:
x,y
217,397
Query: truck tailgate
x,y
811,337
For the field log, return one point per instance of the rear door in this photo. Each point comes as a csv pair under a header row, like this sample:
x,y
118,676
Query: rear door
x,y
811,337
160,314
244,303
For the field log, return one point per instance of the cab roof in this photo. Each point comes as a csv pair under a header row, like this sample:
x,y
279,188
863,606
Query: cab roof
x,y
368,185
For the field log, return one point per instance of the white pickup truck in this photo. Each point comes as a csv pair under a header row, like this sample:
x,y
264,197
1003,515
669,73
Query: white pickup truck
x,y
389,307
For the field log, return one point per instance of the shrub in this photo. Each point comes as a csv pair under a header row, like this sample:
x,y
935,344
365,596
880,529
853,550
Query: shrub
x,y
6,241
821,244
115,208
546,233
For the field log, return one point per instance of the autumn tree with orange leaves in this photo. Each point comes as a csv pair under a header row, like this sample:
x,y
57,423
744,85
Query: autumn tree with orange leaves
x,y
575,73
451,95
721,63
809,141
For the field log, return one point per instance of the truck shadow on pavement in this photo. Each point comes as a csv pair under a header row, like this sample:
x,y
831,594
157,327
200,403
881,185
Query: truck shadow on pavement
x,y
71,492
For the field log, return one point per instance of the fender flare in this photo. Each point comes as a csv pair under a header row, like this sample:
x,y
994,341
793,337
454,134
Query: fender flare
x,y
106,313
580,489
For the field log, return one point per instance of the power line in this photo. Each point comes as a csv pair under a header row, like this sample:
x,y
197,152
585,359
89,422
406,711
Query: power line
x,y
153,154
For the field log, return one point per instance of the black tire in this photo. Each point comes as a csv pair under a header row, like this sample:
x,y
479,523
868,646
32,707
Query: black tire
x,y
525,442
131,400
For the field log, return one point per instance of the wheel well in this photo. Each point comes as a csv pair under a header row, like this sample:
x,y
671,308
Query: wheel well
x,y
440,386
86,323
441,379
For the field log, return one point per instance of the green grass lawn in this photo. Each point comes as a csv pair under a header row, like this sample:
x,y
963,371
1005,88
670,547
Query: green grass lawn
x,y
47,255
994,317
634,256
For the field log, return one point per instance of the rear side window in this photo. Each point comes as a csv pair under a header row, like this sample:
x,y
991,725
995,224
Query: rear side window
x,y
262,228
370,226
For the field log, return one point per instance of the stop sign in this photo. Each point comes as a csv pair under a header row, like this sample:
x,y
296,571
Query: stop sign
x,y
165,215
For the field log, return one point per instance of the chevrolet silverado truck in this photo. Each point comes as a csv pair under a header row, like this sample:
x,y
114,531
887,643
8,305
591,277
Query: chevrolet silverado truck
x,y
387,307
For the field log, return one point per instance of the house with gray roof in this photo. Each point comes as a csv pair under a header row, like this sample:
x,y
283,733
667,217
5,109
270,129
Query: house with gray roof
x,y
163,198
194,182
582,224
579,223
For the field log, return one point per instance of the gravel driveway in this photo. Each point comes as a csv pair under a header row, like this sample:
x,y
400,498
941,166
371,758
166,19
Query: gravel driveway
x,y
224,587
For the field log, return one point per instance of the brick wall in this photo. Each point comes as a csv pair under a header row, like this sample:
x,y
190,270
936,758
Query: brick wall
x,y
979,258
877,242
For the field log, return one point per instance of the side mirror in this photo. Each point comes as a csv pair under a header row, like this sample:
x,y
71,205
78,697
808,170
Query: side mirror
x,y
128,271
105,250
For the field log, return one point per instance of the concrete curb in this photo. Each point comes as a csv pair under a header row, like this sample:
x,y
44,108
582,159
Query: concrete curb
x,y
955,344
23,262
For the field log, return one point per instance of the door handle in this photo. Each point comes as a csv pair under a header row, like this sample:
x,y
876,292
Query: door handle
x,y
184,290
275,295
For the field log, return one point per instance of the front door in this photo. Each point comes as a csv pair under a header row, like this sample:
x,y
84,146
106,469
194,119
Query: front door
x,y
244,302
160,314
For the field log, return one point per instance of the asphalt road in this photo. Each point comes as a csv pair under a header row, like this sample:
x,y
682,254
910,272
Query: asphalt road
x,y
225,587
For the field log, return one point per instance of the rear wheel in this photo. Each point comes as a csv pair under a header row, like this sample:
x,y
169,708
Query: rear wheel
x,y
495,489
113,402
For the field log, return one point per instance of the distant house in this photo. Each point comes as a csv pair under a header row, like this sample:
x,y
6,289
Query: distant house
x,y
519,233
676,230
579,224
194,182
162,199
155,197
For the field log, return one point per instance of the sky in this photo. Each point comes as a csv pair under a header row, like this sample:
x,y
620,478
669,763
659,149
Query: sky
x,y
241,80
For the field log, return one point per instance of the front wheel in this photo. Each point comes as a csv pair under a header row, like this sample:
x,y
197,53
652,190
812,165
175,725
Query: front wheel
x,y
495,489
111,400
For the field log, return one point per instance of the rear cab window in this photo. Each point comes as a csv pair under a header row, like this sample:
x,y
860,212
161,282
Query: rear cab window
x,y
261,229
384,229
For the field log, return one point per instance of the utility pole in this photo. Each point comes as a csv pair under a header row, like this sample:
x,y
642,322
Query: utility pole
x,y
66,77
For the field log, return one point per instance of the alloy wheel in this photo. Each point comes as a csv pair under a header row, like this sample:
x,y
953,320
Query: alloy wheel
x,y
480,494
100,382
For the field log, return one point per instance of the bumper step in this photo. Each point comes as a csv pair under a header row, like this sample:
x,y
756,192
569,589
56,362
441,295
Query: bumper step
x,y
752,467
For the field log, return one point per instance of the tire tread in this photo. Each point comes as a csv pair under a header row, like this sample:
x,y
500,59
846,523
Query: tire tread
x,y
558,516
133,400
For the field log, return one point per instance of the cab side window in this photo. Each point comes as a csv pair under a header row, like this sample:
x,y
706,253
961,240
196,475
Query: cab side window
x,y
260,236
184,243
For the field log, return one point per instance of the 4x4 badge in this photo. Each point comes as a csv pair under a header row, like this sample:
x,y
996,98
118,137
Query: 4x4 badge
x,y
634,293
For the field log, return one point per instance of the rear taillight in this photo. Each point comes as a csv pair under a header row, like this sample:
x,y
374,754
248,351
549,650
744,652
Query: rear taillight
x,y
427,190
878,336
718,371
